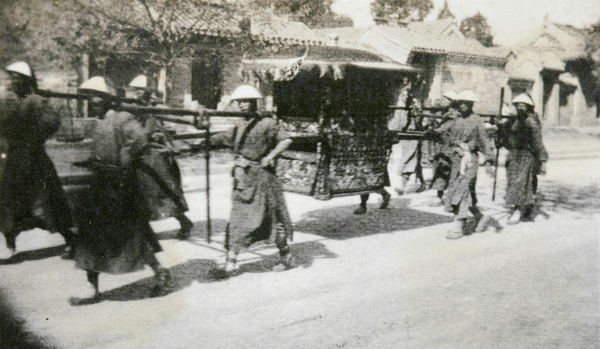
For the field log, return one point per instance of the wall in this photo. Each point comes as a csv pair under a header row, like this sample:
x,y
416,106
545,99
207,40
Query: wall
x,y
179,83
484,78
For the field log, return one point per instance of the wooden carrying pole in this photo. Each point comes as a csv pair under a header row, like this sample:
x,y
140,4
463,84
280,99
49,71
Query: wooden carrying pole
x,y
497,146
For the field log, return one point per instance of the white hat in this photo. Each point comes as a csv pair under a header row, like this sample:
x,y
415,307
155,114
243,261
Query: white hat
x,y
451,95
523,98
140,81
246,92
98,84
467,95
20,68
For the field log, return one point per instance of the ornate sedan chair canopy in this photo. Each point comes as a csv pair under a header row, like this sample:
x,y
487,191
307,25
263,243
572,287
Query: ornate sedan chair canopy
x,y
337,113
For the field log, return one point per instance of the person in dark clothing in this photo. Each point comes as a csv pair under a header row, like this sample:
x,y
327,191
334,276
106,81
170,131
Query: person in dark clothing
x,y
115,237
259,211
466,137
159,173
31,194
522,137
442,160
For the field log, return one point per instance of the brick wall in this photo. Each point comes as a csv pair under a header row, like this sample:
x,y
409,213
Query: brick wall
x,y
179,83
485,79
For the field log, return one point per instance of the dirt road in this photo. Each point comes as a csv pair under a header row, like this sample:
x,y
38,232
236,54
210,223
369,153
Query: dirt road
x,y
388,279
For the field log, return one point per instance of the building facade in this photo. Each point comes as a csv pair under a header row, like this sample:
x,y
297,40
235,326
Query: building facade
x,y
551,64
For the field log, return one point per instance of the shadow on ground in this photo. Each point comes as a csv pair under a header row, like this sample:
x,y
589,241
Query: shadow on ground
x,y
198,231
14,333
203,271
339,223
34,255
304,254
583,198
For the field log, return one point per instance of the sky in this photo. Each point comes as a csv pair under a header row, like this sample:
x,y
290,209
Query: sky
x,y
509,20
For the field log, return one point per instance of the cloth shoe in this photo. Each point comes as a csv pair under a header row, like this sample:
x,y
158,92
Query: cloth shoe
x,y
186,227
287,262
67,253
361,210
386,200
163,278
456,232
515,218
90,296
486,222
437,201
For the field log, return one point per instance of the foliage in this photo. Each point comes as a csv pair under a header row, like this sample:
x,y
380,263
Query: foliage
x,y
592,48
411,10
476,27
313,13
164,30
445,12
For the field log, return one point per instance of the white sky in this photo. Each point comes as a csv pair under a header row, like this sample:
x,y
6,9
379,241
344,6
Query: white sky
x,y
509,19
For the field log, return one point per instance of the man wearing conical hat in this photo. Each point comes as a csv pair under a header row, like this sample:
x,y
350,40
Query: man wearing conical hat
x,y
466,138
259,211
522,137
159,172
442,159
31,194
115,237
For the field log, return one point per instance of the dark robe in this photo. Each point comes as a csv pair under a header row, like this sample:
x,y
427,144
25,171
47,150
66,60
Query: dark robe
x,y
460,194
523,139
31,194
258,203
159,174
116,237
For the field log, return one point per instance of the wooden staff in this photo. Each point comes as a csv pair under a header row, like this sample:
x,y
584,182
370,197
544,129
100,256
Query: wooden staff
x,y
206,126
497,141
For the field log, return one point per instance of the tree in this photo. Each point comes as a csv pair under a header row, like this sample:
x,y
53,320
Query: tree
x,y
476,27
411,10
313,13
159,31
445,12
592,48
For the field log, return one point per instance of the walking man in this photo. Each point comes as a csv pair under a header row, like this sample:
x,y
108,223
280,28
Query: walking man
x,y
158,171
522,137
466,138
31,194
259,211
115,236
442,160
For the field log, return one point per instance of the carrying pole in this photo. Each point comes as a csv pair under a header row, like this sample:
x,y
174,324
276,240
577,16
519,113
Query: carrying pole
x,y
497,141
206,126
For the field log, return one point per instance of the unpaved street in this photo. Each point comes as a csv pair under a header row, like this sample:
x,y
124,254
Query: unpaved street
x,y
388,279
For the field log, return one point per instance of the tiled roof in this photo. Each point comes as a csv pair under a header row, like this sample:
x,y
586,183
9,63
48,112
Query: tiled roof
x,y
205,20
434,44
282,29
528,64
215,21
430,29
565,41
345,35
420,37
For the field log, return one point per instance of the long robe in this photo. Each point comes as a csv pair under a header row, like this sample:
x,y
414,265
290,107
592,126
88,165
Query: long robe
x,y
443,152
116,236
159,176
258,205
523,139
31,194
460,194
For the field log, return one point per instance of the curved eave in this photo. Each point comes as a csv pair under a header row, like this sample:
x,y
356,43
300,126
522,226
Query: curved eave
x,y
442,52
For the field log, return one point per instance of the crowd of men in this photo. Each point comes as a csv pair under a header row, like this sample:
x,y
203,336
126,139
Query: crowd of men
x,y
137,178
